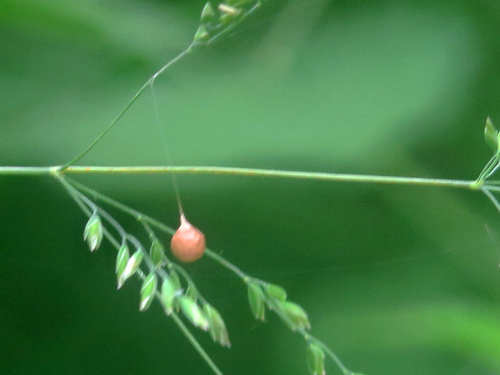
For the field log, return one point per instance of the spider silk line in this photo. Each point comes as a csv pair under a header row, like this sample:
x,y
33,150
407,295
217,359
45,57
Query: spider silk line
x,y
165,148
299,4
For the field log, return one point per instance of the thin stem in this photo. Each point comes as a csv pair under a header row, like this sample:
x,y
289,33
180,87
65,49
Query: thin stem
x,y
149,220
253,172
491,198
77,196
493,170
74,192
27,171
492,188
487,168
332,355
189,281
223,262
145,220
195,343
120,206
126,108
308,337
151,80
246,172
186,332
149,231
86,210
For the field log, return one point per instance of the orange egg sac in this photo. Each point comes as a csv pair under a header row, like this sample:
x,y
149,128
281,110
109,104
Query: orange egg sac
x,y
188,242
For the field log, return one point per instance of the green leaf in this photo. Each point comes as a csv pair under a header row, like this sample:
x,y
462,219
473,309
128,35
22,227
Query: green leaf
x,y
132,265
93,232
218,329
157,253
275,292
491,135
257,299
208,13
193,312
148,291
121,262
169,290
315,359
296,316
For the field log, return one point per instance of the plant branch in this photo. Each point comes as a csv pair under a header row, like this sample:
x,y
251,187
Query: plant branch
x,y
129,104
146,220
245,172
153,222
187,333
79,199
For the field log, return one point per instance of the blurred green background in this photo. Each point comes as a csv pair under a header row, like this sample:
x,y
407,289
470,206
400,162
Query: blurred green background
x,y
396,280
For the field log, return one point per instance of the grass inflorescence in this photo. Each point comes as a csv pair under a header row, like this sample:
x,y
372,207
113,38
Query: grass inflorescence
x,y
166,281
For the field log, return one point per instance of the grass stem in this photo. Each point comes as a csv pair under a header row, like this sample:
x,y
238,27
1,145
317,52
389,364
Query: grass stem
x,y
245,172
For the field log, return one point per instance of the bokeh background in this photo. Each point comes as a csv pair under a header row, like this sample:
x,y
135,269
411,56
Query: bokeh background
x,y
396,279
